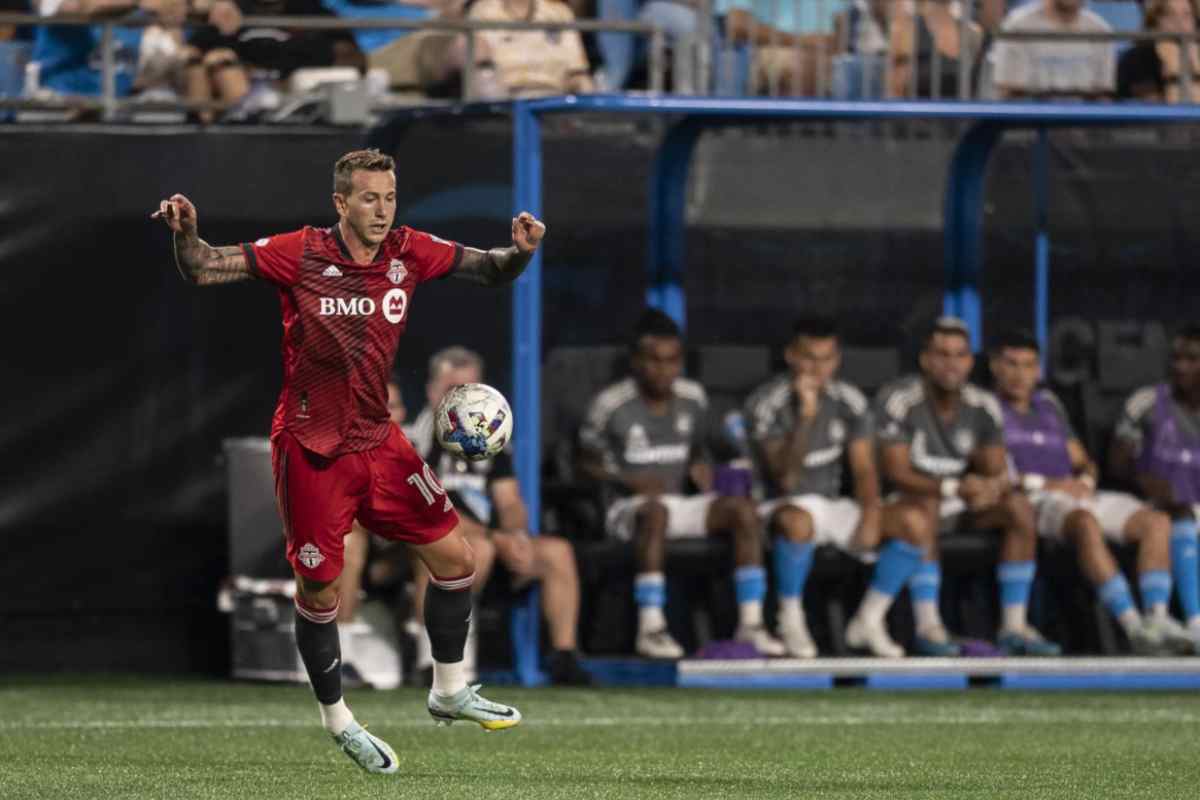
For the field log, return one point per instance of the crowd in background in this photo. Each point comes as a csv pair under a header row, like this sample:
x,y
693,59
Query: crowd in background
x,y
848,48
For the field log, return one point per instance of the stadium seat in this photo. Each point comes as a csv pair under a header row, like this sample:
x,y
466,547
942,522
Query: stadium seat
x,y
1121,15
869,368
1129,354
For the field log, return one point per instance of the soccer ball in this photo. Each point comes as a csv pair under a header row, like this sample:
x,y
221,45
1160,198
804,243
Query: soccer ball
x,y
473,421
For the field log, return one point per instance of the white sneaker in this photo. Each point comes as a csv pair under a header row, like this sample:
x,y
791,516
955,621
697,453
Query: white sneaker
x,y
763,641
1175,639
863,635
657,644
796,639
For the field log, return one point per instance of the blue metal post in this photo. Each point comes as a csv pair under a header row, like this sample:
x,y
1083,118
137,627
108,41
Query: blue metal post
x,y
527,357
1041,241
963,230
668,204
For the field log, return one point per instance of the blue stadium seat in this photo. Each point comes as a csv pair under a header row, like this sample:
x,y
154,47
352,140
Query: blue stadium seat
x,y
617,49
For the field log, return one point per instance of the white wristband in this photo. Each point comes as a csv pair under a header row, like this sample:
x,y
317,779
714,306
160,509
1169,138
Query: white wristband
x,y
1088,480
949,487
1032,482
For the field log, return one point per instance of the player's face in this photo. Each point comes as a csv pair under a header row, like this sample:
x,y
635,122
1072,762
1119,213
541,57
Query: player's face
x,y
818,359
396,409
1185,365
657,363
450,376
947,361
1017,371
370,208
1067,7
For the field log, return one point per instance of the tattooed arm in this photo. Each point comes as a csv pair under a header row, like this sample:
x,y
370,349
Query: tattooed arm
x,y
198,261
503,265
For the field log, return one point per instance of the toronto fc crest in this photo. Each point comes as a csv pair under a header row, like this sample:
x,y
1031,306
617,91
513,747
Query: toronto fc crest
x,y
397,272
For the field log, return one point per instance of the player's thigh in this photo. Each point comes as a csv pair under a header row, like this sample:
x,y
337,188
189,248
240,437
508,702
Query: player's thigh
x,y
1050,512
406,501
621,519
317,498
1116,512
834,519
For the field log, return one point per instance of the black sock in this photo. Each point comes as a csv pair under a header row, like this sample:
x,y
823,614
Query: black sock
x,y
322,655
447,617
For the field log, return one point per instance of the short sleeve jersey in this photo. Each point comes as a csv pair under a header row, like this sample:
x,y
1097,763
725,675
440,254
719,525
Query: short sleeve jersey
x,y
1037,439
342,324
842,417
469,483
630,438
1165,437
904,415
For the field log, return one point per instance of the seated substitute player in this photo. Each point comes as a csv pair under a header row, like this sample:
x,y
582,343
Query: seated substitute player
x,y
488,498
645,434
942,445
804,424
1157,444
345,293
1055,471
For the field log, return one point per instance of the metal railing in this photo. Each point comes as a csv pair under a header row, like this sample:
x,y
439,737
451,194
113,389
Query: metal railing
x,y
110,105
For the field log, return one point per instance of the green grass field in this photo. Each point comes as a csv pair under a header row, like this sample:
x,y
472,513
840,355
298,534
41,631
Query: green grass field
x,y
126,738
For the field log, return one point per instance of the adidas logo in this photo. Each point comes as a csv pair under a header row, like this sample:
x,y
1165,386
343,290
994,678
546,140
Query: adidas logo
x,y
332,272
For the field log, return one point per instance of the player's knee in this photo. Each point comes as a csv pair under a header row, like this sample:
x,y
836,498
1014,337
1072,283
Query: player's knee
x,y
320,595
1020,514
794,524
651,519
742,516
1083,529
916,525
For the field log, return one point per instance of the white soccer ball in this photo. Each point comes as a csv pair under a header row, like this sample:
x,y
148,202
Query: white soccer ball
x,y
473,421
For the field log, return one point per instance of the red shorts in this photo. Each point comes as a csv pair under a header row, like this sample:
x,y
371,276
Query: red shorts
x,y
389,489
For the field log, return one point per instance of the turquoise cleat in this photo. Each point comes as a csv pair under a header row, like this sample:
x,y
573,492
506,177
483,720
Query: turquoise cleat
x,y
935,648
467,705
369,752
1027,643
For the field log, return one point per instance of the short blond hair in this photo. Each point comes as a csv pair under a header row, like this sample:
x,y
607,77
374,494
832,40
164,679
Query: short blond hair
x,y
370,160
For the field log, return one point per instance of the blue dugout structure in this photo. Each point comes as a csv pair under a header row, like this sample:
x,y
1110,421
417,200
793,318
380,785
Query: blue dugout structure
x,y
665,257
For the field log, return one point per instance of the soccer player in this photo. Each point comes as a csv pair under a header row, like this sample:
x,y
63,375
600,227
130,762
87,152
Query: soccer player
x,y
1059,477
942,442
488,498
1157,444
645,435
804,425
345,293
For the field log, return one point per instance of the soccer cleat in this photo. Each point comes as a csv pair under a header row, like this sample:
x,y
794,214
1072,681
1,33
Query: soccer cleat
x,y
1145,640
469,706
872,637
657,644
1174,638
763,641
369,752
935,643
1027,642
796,639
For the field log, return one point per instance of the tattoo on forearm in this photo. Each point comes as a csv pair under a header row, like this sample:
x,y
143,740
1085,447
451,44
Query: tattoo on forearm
x,y
202,264
495,267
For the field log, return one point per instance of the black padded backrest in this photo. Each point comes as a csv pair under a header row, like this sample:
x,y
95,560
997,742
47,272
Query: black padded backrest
x,y
1129,354
571,377
869,368
732,369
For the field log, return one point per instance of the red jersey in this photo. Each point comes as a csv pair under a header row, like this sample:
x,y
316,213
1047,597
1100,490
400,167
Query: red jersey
x,y
342,323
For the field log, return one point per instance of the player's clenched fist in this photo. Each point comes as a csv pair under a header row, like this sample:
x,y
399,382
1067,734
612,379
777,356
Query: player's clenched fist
x,y
179,214
527,232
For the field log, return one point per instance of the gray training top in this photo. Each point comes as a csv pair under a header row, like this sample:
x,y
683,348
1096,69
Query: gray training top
x,y
905,415
842,417
630,438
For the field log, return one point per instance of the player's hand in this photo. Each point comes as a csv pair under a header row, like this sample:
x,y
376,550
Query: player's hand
x,y
1071,486
226,17
515,549
869,532
807,394
527,232
179,214
976,492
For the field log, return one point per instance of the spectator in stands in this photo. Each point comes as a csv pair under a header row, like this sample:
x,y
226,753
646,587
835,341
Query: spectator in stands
x,y
531,63
941,54
1157,446
645,435
1047,70
862,28
1059,477
488,499
793,42
942,446
1152,71
805,424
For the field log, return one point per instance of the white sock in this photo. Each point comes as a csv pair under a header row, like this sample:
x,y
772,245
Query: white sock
x,y
449,679
928,617
790,611
1014,617
337,717
1129,620
875,605
1159,610
750,613
650,618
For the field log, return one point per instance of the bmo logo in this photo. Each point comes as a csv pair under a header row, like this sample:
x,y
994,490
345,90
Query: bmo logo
x,y
393,305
